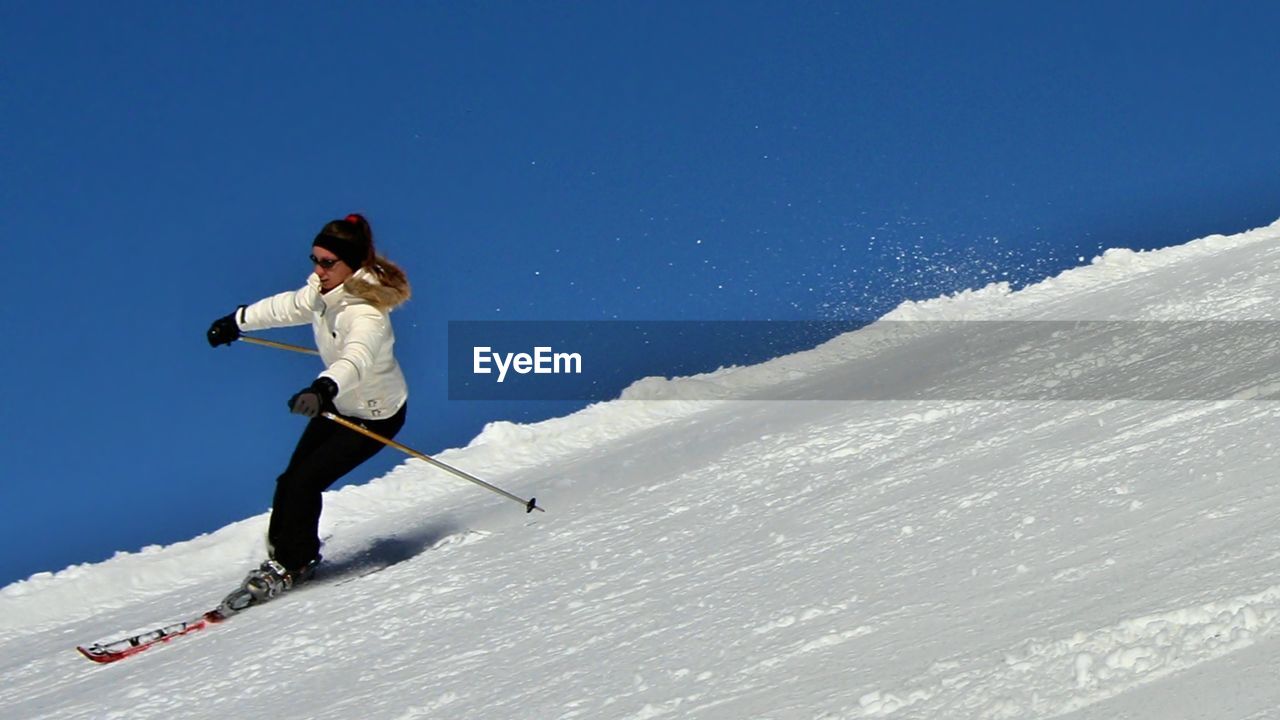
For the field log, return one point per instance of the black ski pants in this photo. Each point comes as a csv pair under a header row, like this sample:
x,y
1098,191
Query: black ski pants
x,y
326,451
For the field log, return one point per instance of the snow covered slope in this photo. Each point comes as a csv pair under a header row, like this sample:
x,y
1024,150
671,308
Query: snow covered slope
x,y
790,553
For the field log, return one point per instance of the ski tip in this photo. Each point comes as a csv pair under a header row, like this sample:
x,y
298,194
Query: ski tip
x,y
98,657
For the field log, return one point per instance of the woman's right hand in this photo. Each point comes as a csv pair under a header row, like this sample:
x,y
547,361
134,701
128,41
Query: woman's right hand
x,y
223,331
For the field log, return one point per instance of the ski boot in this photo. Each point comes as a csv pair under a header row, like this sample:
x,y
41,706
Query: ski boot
x,y
264,583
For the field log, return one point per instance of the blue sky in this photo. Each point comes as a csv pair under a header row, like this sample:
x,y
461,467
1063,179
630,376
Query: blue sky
x,y
555,161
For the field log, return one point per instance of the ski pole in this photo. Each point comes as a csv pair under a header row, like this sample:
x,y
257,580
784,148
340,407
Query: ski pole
x,y
529,505
279,345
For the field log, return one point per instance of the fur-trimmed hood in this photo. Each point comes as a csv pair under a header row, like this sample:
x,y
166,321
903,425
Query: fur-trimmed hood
x,y
386,290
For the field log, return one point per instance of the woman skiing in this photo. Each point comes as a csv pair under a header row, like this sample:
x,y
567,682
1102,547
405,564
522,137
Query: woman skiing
x,y
347,301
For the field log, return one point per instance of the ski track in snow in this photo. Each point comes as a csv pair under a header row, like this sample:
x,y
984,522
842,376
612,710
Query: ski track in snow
x,y
751,558
1030,680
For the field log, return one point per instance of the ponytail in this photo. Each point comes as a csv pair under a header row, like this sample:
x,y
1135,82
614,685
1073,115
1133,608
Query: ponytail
x,y
389,273
355,238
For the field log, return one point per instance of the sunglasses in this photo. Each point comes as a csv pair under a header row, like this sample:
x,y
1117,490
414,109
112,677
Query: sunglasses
x,y
327,263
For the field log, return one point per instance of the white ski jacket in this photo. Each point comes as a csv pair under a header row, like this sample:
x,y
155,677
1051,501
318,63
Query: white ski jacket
x,y
353,334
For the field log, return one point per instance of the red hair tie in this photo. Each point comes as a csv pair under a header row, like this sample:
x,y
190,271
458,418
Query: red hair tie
x,y
354,219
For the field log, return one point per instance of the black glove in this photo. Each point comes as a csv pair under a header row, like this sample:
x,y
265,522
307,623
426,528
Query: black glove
x,y
315,399
224,330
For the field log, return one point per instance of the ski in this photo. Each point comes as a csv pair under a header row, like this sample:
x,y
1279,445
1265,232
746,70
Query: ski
x,y
234,604
130,646
238,601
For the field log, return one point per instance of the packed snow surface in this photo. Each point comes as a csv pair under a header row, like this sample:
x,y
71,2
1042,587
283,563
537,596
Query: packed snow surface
x,y
767,542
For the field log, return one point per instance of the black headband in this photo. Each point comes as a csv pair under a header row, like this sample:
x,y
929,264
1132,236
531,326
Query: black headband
x,y
351,252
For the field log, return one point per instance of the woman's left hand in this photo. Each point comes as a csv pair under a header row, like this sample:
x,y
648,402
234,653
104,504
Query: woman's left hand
x,y
315,399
